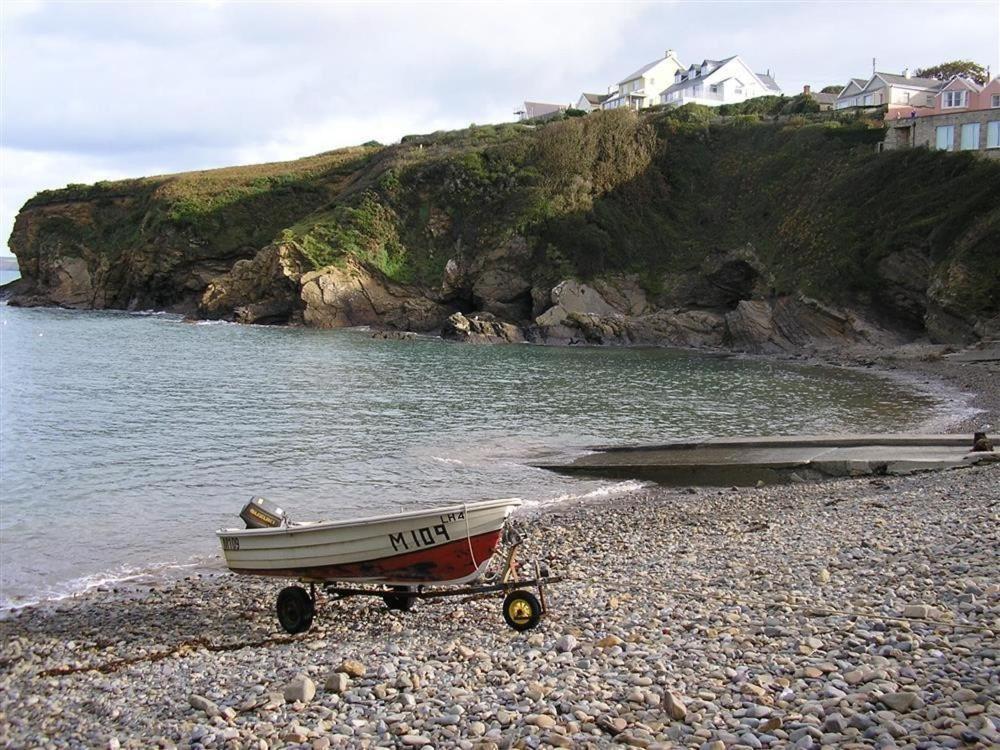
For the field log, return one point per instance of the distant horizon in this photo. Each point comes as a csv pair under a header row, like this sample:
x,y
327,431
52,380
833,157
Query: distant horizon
x,y
161,88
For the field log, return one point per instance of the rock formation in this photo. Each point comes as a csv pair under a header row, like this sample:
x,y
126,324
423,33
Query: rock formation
x,y
607,230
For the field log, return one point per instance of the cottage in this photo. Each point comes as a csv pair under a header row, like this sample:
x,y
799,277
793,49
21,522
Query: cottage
x,y
641,89
965,95
540,111
824,100
965,116
894,92
591,102
850,95
976,130
716,82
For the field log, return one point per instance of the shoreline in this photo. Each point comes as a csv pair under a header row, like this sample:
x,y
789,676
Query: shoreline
x,y
969,393
846,611
855,610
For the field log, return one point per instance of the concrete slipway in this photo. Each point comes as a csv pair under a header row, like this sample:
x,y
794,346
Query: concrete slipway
x,y
746,461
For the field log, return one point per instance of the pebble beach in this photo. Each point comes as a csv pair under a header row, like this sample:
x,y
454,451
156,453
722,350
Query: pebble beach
x,y
851,613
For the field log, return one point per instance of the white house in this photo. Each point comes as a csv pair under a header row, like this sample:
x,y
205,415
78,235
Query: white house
x,y
716,82
641,89
591,102
895,91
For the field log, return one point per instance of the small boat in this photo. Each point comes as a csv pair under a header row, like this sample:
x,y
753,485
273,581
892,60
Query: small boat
x,y
447,545
422,554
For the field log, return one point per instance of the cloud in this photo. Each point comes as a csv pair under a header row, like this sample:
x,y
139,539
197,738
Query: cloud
x,y
95,90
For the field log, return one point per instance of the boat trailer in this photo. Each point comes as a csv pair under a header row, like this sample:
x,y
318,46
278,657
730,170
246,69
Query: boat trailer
x,y
522,609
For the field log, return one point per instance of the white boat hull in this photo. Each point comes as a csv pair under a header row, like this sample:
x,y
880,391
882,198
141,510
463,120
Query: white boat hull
x,y
450,544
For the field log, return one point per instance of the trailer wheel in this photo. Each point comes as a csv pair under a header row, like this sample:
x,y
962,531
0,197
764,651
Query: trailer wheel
x,y
295,609
400,601
521,610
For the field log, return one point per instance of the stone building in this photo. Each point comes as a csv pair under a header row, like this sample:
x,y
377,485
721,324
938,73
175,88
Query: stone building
x,y
975,130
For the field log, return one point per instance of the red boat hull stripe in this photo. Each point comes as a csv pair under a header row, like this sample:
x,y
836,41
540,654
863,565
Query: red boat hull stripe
x,y
445,562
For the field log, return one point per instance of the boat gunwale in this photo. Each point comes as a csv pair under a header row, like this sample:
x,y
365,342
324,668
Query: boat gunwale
x,y
307,526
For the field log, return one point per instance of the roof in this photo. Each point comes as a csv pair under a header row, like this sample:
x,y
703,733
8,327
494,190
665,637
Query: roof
x,y
713,63
768,81
898,80
595,98
969,84
640,71
822,98
537,110
544,105
688,81
644,68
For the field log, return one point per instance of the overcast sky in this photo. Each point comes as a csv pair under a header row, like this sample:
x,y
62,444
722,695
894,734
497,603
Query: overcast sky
x,y
93,91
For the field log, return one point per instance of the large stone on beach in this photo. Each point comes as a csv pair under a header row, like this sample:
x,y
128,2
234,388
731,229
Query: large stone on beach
x,y
201,703
337,682
566,643
352,667
674,705
920,611
301,689
900,702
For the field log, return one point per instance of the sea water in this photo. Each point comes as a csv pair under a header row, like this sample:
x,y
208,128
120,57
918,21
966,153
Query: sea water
x,y
127,439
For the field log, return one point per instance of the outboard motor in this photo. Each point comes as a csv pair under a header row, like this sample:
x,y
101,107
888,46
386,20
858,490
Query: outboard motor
x,y
261,513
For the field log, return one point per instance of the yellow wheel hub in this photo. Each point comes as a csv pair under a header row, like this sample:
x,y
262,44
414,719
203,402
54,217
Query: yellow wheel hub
x,y
519,611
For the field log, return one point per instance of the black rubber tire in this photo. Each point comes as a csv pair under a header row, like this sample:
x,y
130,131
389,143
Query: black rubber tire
x,y
401,601
521,610
295,609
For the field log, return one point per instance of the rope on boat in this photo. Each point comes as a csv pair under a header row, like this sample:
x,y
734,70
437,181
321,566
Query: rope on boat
x,y
468,536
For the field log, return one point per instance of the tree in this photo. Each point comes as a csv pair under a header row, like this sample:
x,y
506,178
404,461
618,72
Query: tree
x,y
831,89
944,71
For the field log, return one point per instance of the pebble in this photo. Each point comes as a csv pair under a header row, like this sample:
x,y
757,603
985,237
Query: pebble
x,y
301,689
201,703
566,643
750,657
674,705
336,682
352,668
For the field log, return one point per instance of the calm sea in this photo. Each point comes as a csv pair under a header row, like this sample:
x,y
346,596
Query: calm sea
x,y
126,440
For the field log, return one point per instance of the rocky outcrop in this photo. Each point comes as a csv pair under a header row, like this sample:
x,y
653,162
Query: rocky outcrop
x,y
355,295
481,328
789,324
264,289
612,230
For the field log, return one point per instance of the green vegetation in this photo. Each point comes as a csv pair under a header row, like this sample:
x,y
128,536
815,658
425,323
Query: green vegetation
x,y
655,195
947,70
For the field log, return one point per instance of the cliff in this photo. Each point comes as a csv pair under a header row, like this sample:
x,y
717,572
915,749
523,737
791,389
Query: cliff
x,y
672,227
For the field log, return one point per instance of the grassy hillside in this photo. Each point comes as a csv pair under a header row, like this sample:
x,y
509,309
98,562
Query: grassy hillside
x,y
611,192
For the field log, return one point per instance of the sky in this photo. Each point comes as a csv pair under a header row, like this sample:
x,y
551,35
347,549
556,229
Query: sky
x,y
104,90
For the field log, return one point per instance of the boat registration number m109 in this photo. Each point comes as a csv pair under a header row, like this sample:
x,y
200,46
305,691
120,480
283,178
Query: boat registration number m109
x,y
417,538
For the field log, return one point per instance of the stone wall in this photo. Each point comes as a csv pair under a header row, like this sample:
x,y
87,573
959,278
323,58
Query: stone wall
x,y
922,131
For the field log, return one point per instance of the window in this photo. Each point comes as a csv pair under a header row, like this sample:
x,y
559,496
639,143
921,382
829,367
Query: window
x,y
953,99
995,101
993,134
715,89
739,90
970,136
868,100
945,137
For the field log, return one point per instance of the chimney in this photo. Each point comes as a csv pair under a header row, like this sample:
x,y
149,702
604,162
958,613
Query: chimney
x,y
806,90
906,72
